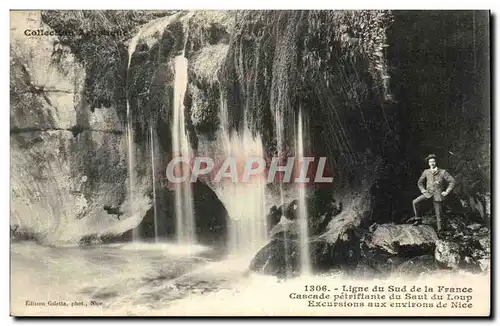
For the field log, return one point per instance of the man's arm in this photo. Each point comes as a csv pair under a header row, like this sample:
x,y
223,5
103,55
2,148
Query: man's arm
x,y
451,182
420,182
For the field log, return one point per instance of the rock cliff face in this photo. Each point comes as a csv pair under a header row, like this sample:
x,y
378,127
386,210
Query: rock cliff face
x,y
69,93
68,157
332,65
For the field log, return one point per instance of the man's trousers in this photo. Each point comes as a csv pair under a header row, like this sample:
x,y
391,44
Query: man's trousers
x,y
438,208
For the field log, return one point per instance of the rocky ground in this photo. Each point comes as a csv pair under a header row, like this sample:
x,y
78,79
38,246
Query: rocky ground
x,y
410,248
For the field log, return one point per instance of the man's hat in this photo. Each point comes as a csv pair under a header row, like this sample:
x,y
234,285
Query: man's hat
x,y
429,157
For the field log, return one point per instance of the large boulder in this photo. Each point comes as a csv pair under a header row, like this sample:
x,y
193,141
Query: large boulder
x,y
280,257
333,237
403,239
337,247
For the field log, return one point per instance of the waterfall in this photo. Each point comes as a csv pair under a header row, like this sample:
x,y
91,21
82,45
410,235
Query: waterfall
x,y
279,123
305,262
184,208
132,178
244,200
184,215
153,174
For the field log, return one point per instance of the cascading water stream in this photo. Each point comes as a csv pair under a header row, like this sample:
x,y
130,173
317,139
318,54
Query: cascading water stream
x,y
244,200
305,262
281,154
153,174
132,178
184,208
184,215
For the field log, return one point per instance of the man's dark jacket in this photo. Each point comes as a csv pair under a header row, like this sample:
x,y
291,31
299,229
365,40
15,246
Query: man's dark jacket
x,y
435,183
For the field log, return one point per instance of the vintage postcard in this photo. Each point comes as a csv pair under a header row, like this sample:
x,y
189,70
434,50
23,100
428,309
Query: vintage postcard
x,y
250,163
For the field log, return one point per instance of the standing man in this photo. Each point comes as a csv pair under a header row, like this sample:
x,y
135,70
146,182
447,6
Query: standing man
x,y
434,188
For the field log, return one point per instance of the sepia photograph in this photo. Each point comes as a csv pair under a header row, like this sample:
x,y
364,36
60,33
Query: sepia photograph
x,y
243,163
